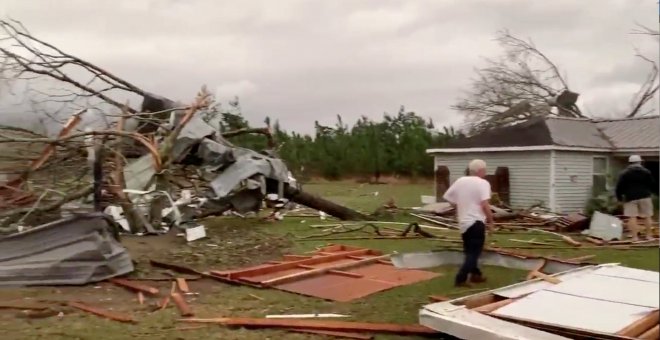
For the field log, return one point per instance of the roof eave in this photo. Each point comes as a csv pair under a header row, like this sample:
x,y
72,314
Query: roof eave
x,y
517,149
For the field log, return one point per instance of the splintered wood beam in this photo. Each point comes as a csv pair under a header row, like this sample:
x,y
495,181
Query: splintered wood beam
x,y
319,271
545,277
138,287
640,326
325,325
181,304
101,312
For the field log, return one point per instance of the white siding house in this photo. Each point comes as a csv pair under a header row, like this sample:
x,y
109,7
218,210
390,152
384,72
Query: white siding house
x,y
558,162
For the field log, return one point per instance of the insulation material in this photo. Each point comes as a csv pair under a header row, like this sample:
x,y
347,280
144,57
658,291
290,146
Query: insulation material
x,y
575,312
592,301
350,273
71,251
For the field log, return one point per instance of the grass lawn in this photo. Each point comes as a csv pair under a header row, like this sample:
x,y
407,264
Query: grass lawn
x,y
237,242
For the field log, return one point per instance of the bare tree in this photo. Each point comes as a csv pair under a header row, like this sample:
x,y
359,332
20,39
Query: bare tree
x,y
525,82
522,83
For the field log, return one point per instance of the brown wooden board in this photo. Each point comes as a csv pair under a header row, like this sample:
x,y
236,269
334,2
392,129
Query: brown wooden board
x,y
332,273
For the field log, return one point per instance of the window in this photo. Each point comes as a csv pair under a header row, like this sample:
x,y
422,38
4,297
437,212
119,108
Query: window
x,y
599,173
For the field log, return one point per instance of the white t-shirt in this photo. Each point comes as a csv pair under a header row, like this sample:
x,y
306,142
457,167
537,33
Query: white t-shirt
x,y
467,193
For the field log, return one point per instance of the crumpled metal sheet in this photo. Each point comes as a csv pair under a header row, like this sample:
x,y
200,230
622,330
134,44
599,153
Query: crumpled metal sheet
x,y
71,251
229,166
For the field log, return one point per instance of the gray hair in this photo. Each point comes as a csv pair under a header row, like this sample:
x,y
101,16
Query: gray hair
x,y
476,165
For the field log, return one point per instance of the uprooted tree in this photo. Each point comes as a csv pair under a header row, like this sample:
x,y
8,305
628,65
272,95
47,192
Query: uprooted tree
x,y
525,82
58,83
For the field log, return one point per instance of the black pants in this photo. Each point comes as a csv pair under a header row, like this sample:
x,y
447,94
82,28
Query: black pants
x,y
473,243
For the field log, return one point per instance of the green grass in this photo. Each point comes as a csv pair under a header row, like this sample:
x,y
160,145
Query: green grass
x,y
399,305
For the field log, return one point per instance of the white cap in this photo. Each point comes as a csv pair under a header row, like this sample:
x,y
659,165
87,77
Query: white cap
x,y
634,159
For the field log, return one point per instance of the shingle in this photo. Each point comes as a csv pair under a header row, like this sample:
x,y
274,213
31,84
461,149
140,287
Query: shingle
x,y
635,133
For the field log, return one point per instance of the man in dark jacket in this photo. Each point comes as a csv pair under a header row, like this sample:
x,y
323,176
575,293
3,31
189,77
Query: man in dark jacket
x,y
634,189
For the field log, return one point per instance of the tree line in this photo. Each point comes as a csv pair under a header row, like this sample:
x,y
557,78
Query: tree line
x,y
392,146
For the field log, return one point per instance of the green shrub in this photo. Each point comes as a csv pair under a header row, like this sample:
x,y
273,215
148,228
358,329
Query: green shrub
x,y
604,202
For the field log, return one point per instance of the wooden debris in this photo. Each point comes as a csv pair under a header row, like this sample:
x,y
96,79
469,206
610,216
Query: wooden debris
x,y
173,289
138,287
538,269
256,297
319,271
165,302
581,258
545,277
181,304
640,326
325,325
140,297
101,312
438,298
346,335
651,334
491,307
183,285
22,306
595,241
531,242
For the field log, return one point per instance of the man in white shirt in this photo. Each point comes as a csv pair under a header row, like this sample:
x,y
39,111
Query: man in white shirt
x,y
470,195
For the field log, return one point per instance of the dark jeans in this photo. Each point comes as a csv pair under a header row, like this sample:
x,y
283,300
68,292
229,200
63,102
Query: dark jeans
x,y
473,243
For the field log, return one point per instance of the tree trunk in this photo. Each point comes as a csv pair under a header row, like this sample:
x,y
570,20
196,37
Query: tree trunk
x,y
322,204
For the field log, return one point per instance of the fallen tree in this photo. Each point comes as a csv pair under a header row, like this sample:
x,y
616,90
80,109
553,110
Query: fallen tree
x,y
168,138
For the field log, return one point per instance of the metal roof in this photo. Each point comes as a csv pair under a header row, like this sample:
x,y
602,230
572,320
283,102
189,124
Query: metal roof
x,y
633,133
573,132
623,135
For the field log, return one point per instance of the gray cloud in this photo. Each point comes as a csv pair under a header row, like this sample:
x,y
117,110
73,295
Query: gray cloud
x,y
300,61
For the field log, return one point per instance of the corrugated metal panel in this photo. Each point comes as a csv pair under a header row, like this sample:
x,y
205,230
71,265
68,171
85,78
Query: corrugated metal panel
x,y
71,251
573,179
529,172
576,312
573,132
632,133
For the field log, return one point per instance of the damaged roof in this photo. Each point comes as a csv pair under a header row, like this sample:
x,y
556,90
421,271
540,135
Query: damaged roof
x,y
630,134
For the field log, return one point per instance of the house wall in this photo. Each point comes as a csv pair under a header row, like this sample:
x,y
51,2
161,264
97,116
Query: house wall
x,y
574,178
529,172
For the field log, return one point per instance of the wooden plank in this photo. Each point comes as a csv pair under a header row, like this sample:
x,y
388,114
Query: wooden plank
x,y
491,307
651,334
296,257
320,271
546,277
346,335
538,268
183,285
640,326
326,325
438,298
138,287
101,312
294,264
344,273
595,241
181,304
479,300
581,258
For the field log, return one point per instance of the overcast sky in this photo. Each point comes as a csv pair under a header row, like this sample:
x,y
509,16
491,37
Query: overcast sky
x,y
306,60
